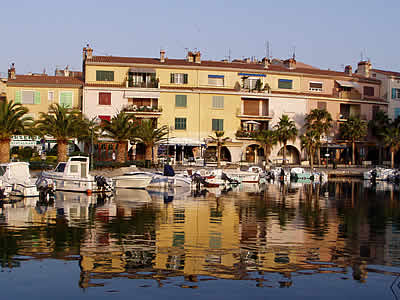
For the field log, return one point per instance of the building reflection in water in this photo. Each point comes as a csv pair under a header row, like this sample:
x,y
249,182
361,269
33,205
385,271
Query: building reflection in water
x,y
339,227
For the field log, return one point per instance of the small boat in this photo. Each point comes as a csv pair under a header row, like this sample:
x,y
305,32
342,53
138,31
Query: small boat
x,y
132,181
380,174
301,174
73,176
16,181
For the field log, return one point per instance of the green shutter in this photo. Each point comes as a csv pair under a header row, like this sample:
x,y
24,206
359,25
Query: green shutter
x,y
217,124
214,124
221,125
172,78
17,97
393,93
180,101
180,123
66,99
37,98
285,84
185,78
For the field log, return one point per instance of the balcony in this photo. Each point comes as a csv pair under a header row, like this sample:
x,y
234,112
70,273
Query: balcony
x,y
254,86
246,134
260,116
153,84
143,111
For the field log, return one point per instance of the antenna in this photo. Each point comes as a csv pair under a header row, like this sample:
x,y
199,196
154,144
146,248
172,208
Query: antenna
x,y
229,54
267,51
362,55
294,52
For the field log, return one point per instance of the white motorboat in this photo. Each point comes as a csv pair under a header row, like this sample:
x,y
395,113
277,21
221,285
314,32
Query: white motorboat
x,y
132,181
16,180
158,180
73,176
301,174
380,174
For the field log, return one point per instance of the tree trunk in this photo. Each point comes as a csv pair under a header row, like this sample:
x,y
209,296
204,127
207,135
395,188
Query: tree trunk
x,y
380,154
218,155
62,150
319,155
353,159
392,157
149,153
311,160
121,156
284,154
266,156
4,151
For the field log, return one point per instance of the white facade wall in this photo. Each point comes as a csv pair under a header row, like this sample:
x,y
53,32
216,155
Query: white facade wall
x,y
92,108
388,83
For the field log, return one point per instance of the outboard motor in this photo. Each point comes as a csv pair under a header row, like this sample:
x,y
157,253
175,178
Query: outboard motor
x,y
168,171
374,174
227,178
102,183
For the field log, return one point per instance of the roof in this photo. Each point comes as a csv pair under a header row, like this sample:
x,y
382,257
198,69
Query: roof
x,y
300,67
45,80
388,73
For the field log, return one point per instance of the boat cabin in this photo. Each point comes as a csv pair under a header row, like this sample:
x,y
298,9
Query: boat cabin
x,y
76,166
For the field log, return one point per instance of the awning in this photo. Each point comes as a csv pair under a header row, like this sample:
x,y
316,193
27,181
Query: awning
x,y
135,94
251,122
183,142
142,70
252,74
347,83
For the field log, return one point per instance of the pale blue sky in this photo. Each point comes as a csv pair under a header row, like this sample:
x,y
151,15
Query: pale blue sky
x,y
327,34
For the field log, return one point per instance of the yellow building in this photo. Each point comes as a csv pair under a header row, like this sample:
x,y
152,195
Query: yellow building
x,y
196,97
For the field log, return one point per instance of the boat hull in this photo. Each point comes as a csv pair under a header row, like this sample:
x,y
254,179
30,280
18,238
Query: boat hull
x,y
132,182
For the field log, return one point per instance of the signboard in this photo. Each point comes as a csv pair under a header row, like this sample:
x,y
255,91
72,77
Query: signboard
x,y
24,141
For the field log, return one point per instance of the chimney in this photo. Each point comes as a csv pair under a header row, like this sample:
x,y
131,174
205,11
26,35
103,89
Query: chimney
x,y
11,72
348,70
197,57
290,63
247,60
162,56
87,52
266,62
66,71
363,68
189,57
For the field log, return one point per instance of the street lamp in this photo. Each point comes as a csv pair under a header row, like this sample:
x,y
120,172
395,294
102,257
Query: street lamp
x,y
95,121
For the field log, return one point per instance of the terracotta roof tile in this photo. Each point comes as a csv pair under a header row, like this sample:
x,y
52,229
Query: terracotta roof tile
x,y
388,73
109,85
44,80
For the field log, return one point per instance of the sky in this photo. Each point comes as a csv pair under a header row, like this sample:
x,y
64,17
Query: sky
x,y
45,34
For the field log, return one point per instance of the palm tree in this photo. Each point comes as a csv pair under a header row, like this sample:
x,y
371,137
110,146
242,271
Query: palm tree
x,y
220,142
319,121
62,124
122,128
391,139
310,141
353,129
267,139
378,126
285,131
149,136
12,121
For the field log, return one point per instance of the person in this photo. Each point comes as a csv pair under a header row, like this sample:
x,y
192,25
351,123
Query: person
x,y
113,156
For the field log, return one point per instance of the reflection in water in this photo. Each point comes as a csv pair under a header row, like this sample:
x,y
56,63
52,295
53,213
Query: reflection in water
x,y
247,232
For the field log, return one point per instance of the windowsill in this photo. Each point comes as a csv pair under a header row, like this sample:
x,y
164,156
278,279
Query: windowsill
x,y
180,129
181,107
104,104
217,108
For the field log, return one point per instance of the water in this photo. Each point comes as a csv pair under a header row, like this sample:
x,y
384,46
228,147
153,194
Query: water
x,y
338,240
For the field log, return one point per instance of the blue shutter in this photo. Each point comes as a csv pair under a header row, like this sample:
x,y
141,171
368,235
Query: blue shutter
x,y
396,113
393,93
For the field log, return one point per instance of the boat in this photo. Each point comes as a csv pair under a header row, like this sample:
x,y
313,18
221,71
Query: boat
x,y
301,174
380,174
132,181
73,176
16,181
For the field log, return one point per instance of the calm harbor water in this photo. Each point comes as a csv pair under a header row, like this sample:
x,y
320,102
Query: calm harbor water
x,y
331,241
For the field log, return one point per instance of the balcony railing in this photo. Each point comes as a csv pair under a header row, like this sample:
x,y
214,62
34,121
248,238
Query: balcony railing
x,y
141,109
150,84
246,134
260,115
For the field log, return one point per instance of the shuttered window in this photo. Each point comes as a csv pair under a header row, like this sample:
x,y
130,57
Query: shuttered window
x,y
179,78
321,105
396,113
285,84
180,123
66,99
50,96
104,75
218,102
368,91
180,101
28,97
216,80
105,98
315,86
17,97
217,124
251,107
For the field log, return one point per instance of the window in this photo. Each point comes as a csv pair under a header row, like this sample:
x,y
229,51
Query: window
x,y
108,118
218,102
216,80
66,99
180,100
105,98
180,123
217,124
104,75
368,91
315,86
321,105
395,93
396,113
28,97
285,84
179,78
50,95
